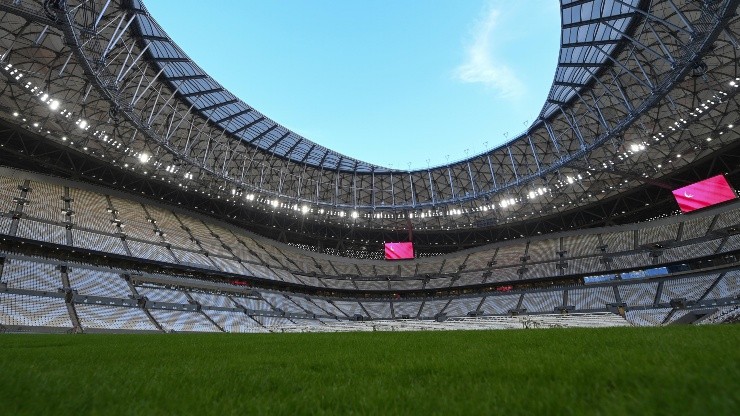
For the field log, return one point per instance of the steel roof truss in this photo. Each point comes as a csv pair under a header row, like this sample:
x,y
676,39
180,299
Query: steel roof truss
x,y
688,30
668,58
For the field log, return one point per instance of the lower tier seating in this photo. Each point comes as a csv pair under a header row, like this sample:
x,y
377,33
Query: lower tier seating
x,y
37,293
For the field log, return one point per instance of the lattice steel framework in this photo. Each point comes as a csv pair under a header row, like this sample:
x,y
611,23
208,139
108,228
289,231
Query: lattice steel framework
x,y
642,91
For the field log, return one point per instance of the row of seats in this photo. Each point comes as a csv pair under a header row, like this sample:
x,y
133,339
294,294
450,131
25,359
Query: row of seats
x,y
41,302
44,312
648,317
67,215
112,318
47,277
33,311
723,314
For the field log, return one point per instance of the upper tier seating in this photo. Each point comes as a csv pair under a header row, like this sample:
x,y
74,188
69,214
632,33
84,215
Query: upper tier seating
x,y
59,212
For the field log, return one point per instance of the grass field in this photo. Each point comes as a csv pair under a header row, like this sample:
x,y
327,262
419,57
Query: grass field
x,y
622,371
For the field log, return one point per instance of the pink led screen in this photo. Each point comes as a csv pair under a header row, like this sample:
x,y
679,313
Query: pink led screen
x,y
399,251
704,193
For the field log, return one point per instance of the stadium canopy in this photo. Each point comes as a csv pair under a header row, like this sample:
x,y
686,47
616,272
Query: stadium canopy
x,y
644,91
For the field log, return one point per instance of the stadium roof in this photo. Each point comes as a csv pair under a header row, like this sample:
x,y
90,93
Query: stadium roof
x,y
642,93
590,33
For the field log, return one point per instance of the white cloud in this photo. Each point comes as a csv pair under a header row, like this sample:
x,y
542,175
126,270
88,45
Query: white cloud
x,y
482,67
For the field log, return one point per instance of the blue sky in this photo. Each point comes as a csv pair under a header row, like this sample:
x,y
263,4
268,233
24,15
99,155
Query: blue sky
x,y
390,82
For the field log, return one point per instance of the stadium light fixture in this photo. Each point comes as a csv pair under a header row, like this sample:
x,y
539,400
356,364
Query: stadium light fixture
x,y
144,157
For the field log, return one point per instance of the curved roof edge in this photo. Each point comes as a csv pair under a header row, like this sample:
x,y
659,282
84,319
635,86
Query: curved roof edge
x,y
591,33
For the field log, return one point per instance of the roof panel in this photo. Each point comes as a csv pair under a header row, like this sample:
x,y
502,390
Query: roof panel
x,y
220,105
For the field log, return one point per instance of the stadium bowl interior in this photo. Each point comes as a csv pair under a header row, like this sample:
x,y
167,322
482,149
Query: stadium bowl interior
x,y
138,194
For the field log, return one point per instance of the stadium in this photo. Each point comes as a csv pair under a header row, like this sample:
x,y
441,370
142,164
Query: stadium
x,y
139,196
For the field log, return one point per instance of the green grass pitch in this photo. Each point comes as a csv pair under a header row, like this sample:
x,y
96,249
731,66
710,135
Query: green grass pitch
x,y
676,370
